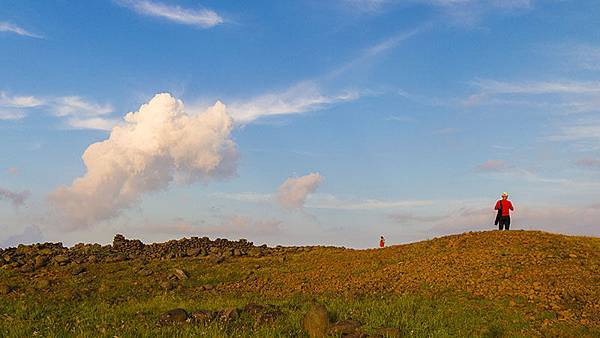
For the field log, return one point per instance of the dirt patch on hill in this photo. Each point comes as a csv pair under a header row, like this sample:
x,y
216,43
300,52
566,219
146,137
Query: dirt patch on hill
x,y
554,273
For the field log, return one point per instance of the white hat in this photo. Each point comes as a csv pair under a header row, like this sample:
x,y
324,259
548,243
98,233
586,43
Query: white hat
x,y
505,194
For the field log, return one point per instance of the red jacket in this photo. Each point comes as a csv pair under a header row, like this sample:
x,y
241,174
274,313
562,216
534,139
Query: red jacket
x,y
506,205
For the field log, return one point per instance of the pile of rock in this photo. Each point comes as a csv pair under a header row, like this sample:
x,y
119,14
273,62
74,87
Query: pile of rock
x,y
29,258
260,314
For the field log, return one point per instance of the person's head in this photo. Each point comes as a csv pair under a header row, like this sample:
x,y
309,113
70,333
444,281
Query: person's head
x,y
381,237
504,195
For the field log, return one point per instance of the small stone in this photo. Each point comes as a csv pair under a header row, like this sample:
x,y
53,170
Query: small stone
x,y
40,262
174,316
228,315
78,270
573,255
344,327
146,272
218,259
203,316
61,259
92,259
254,308
180,274
316,321
26,268
193,252
268,316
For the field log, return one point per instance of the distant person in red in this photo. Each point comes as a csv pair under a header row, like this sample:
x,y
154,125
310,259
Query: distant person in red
x,y
381,242
503,206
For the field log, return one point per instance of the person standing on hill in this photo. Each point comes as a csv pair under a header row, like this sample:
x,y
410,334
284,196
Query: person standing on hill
x,y
504,206
381,242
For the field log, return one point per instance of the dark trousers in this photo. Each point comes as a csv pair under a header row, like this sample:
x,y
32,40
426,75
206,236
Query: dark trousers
x,y
504,222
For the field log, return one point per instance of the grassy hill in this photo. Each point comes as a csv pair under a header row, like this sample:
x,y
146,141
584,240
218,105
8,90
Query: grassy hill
x,y
517,283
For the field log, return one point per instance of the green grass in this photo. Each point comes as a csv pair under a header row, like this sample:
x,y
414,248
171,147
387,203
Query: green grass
x,y
113,300
415,316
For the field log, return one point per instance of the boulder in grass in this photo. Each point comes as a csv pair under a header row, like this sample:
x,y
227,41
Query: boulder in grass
x,y
178,315
344,327
316,321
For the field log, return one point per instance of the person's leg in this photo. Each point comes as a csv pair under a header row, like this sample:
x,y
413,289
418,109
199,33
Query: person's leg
x,y
507,223
500,224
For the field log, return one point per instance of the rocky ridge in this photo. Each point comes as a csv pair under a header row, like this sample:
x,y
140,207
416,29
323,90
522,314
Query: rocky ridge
x,y
29,258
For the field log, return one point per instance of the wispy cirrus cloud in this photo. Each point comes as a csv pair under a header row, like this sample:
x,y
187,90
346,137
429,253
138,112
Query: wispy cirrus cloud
x,y
302,97
12,107
204,18
15,101
327,201
492,165
75,111
589,163
309,95
79,113
459,12
14,29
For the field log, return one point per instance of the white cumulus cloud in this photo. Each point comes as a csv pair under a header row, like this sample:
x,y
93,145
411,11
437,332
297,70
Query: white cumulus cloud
x,y
155,145
293,192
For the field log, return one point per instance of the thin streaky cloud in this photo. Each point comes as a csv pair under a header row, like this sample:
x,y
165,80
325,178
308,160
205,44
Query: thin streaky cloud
x,y
8,115
12,28
326,201
300,98
537,87
7,100
307,96
375,50
204,18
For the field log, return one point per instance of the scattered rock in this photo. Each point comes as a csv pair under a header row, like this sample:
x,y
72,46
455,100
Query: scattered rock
x,y
316,321
145,272
344,327
174,316
218,259
228,315
40,262
78,270
61,259
253,308
180,274
5,289
26,268
203,316
268,316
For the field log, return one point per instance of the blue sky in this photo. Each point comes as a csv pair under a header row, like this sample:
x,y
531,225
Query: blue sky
x,y
343,120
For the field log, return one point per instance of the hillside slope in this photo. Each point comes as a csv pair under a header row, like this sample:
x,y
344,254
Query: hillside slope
x,y
463,284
